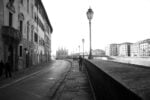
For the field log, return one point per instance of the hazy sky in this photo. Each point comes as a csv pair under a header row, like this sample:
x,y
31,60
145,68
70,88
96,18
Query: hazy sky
x,y
114,21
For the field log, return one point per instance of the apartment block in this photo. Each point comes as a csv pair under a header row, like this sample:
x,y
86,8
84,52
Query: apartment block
x,y
125,49
112,50
135,49
144,48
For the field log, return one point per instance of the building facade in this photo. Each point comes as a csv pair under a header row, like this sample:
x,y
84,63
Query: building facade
x,y
98,52
125,49
138,49
112,50
144,48
25,33
135,49
141,48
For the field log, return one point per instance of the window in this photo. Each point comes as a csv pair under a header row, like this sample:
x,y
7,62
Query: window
x,y
21,26
36,37
32,10
11,1
28,6
21,2
32,33
27,30
35,18
10,19
20,51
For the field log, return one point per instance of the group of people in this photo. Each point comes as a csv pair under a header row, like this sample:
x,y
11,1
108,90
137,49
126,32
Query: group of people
x,y
5,68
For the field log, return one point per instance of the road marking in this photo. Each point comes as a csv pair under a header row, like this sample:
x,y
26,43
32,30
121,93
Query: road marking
x,y
6,85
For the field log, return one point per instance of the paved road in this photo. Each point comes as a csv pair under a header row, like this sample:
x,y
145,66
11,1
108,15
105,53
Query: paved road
x,y
37,86
136,79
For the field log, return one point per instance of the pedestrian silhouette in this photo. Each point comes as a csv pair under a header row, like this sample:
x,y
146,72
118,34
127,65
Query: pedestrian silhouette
x,y
80,63
8,68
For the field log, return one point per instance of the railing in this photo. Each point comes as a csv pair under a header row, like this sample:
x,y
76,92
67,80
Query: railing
x,y
105,87
10,32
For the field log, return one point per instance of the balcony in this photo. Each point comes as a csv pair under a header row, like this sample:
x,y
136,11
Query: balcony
x,y
9,33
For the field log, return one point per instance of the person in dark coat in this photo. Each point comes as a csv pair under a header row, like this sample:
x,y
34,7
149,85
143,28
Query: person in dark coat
x,y
8,69
1,67
80,63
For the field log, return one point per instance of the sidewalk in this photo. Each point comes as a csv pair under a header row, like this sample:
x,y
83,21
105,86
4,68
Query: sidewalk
x,y
21,74
76,86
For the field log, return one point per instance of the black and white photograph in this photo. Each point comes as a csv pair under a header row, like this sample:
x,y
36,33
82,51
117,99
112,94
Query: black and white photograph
x,y
74,49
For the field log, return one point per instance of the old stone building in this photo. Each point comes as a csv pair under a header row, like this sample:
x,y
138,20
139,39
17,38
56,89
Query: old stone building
x,y
25,33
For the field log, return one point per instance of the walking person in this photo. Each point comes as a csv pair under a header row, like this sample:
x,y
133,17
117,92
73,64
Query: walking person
x,y
80,63
8,68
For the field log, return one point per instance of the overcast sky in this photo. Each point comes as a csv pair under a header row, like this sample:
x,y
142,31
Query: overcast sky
x,y
114,21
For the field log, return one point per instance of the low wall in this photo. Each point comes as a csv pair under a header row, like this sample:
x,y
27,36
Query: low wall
x,y
105,87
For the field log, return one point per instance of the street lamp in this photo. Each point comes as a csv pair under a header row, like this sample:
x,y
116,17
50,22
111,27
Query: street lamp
x,y
83,47
90,16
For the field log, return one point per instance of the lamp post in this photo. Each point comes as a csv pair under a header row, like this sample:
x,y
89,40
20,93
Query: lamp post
x,y
83,47
90,16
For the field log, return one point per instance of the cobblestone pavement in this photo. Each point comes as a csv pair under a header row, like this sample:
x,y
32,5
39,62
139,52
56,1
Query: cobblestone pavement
x,y
76,86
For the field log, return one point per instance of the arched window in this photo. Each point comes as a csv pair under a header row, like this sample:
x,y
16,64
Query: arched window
x,y
32,32
10,19
21,19
28,6
20,50
21,1
28,30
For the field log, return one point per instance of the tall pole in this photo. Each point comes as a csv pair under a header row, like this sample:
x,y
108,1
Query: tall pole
x,y
90,16
90,54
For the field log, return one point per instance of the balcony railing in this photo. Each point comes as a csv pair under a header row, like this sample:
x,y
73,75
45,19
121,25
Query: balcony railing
x,y
10,32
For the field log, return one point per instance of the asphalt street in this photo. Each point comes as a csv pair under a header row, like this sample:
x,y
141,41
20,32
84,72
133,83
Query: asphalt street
x,y
37,86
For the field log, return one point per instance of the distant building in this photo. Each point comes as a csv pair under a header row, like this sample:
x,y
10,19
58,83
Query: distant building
x,y
144,48
125,49
138,49
25,33
98,52
61,53
112,50
135,49
141,48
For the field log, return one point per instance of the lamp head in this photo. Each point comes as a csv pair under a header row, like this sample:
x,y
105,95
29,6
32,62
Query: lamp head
x,y
90,13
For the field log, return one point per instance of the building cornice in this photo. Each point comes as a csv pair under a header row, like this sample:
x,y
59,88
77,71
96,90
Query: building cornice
x,y
46,16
